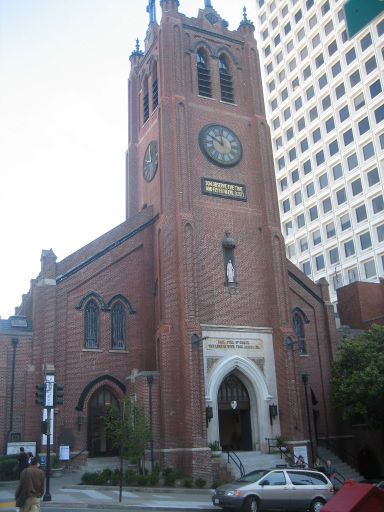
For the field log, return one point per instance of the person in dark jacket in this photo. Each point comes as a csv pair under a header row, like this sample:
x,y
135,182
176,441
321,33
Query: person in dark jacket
x,y
22,460
30,488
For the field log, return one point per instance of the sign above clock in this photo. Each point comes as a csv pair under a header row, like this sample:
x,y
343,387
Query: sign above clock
x,y
223,189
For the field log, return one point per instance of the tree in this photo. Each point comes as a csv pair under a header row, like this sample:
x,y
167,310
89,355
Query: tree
x,y
128,429
358,377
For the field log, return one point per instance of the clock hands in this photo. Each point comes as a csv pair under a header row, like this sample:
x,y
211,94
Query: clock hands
x,y
148,154
217,140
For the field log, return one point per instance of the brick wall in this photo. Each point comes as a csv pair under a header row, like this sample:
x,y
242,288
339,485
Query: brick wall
x,y
361,304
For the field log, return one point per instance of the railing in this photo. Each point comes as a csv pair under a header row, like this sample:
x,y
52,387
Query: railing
x,y
77,454
236,460
293,460
338,477
343,453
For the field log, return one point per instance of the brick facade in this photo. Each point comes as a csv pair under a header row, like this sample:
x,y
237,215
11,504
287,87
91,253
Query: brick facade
x,y
361,304
187,327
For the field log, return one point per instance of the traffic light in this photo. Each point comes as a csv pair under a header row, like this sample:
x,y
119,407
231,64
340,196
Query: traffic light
x,y
40,394
58,394
44,427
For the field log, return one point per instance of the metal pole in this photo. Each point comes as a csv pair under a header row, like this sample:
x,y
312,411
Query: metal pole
x,y
14,341
305,381
121,452
150,382
47,496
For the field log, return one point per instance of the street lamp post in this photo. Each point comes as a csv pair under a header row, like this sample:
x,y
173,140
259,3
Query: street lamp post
x,y
15,342
305,377
47,496
150,383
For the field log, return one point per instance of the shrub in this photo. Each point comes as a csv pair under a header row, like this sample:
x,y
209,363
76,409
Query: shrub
x,y
188,482
200,483
89,478
8,468
106,473
142,480
215,446
130,477
114,477
170,476
154,477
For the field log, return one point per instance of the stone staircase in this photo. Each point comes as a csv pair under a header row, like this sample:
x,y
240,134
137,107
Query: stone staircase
x,y
254,460
99,463
342,467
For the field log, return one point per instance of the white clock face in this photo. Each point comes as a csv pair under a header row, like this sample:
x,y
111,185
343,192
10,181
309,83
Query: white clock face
x,y
220,145
150,161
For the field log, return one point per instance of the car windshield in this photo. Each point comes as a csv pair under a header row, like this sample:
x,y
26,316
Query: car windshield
x,y
253,476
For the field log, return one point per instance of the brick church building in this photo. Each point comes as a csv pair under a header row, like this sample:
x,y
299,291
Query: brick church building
x,y
190,304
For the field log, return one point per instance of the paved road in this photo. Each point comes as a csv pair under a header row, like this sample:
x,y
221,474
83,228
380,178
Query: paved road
x,y
79,497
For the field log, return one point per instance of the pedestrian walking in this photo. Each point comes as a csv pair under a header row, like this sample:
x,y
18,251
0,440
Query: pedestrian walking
x,y
22,460
30,488
330,471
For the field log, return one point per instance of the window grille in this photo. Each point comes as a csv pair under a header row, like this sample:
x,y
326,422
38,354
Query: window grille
x,y
91,320
118,327
226,82
203,75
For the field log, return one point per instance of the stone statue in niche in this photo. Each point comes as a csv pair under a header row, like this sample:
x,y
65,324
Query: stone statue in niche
x,y
230,272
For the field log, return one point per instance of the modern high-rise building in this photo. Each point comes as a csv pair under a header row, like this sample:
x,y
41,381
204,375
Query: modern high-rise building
x,y
325,106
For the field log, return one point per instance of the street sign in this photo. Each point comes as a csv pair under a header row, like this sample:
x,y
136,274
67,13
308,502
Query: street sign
x,y
49,387
359,13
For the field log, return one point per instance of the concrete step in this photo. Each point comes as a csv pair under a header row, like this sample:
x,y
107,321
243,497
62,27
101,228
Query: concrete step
x,y
99,463
254,460
342,467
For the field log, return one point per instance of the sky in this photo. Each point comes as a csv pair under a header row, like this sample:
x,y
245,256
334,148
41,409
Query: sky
x,y
64,66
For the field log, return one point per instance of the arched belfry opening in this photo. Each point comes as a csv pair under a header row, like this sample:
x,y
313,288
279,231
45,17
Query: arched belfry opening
x,y
99,443
234,414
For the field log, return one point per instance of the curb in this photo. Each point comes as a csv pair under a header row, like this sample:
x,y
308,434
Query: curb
x,y
120,506
167,490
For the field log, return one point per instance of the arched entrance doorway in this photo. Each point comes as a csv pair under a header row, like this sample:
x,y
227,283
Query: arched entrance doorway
x,y
368,463
234,415
99,443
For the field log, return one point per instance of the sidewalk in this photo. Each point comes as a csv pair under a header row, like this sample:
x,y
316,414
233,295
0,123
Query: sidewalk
x,y
65,490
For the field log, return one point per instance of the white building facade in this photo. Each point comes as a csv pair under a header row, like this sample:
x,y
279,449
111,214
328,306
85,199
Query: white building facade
x,y
324,98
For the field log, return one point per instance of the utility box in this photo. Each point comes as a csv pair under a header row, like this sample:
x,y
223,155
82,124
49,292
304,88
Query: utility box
x,y
355,497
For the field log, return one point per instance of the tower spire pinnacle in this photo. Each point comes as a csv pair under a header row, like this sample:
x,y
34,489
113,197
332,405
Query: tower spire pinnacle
x,y
207,3
245,22
137,53
151,10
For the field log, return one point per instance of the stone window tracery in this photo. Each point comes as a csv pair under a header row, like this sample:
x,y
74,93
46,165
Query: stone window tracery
x,y
118,327
298,326
145,100
226,81
203,74
155,88
91,325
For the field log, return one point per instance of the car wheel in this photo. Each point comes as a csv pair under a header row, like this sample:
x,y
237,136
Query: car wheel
x,y
317,505
251,504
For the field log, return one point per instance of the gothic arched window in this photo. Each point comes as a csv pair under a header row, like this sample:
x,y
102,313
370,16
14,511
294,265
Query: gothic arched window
x,y
226,82
91,325
155,88
203,74
145,100
118,326
298,326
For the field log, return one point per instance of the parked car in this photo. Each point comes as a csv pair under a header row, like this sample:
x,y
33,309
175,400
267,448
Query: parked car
x,y
278,490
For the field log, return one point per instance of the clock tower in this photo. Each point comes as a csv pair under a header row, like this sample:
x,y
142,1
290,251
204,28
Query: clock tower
x,y
200,155
190,305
